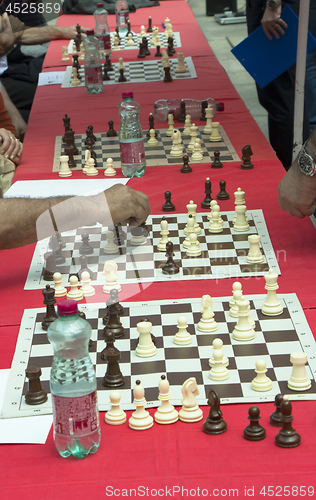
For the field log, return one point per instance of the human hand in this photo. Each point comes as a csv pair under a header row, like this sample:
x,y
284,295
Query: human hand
x,y
272,24
7,37
19,125
10,146
297,193
127,205
70,32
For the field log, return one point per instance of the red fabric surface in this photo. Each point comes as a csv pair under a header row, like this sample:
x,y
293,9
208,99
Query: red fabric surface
x,y
181,455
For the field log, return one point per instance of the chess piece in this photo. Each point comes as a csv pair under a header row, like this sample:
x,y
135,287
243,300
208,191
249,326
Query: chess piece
x,y
190,412
60,290
86,248
170,129
216,163
193,249
254,431
152,141
86,288
84,266
287,436
177,147
246,157
193,136
113,376
112,320
276,416
233,307
109,171
115,416
161,246
149,29
170,266
215,135
254,255
110,247
261,382
299,381
111,132
35,394
208,190
186,168
139,235
207,322
182,116
74,293
243,330
214,424
208,117
121,78
140,419
272,306
75,80
158,51
111,276
166,412
167,78
182,337
168,206
64,170
197,154
145,347
215,222
49,301
241,223
64,51
141,54
218,346
191,208
222,195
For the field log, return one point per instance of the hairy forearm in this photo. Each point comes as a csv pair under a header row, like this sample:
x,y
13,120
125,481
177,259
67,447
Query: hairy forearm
x,y
43,34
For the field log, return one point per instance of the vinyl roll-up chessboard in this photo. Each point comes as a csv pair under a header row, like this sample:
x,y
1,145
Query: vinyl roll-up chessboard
x,y
276,338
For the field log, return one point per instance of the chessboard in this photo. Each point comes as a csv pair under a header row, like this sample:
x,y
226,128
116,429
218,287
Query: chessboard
x,y
136,37
109,147
223,255
137,72
277,337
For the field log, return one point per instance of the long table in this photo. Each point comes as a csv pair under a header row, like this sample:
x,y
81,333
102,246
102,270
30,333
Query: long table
x,y
178,460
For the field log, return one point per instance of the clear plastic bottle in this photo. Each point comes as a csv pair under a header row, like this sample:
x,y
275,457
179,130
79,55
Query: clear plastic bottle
x,y
73,384
192,107
92,64
122,16
102,30
133,163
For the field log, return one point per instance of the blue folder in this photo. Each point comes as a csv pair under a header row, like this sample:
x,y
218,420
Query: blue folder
x,y
266,59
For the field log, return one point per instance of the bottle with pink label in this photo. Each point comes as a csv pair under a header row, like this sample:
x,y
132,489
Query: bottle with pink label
x,y
122,16
73,384
133,162
102,30
92,64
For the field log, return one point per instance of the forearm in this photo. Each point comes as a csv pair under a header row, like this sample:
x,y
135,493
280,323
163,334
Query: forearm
x,y
43,34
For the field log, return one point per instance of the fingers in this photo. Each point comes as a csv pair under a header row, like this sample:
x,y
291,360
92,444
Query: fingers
x,y
11,147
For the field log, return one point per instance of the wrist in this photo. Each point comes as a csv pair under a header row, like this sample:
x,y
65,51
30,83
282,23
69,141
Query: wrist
x,y
274,4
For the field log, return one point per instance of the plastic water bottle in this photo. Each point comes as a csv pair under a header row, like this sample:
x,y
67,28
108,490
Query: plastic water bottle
x,y
73,384
192,107
102,30
92,64
122,16
133,163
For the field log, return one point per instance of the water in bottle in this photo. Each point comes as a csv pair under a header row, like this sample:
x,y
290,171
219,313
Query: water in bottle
x,y
133,163
73,384
102,30
192,107
92,64
122,16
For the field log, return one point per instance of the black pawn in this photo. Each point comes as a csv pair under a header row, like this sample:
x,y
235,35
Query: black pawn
x,y
170,266
222,195
158,51
35,395
113,376
150,28
204,105
49,301
287,437
168,206
217,162
121,77
208,190
106,77
114,297
141,53
185,169
181,118
86,248
168,77
214,424
108,62
254,431
276,416
111,132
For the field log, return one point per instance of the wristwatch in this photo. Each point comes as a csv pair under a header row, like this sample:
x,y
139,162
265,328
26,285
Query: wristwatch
x,y
306,163
273,4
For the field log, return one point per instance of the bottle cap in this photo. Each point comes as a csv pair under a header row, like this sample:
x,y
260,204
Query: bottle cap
x,y
125,95
221,106
67,307
100,5
90,32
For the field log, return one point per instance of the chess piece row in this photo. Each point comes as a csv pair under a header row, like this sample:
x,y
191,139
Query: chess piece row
x,y
89,167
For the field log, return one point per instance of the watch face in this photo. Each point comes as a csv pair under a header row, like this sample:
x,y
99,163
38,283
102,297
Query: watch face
x,y
306,163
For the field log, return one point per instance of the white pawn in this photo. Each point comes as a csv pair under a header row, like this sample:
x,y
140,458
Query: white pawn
x,y
86,288
115,416
191,208
187,126
177,148
241,223
121,64
244,329
218,346
64,52
164,233
180,68
272,305
145,347
130,42
166,413
91,170
193,135
74,293
219,371
138,239
60,290
182,337
189,228
140,419
254,254
197,151
116,47
209,115
261,382
215,135
74,50
110,247
232,302
170,130
152,141
142,32
64,170
190,412
207,322
75,80
299,380
111,276
215,224
194,249
109,171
